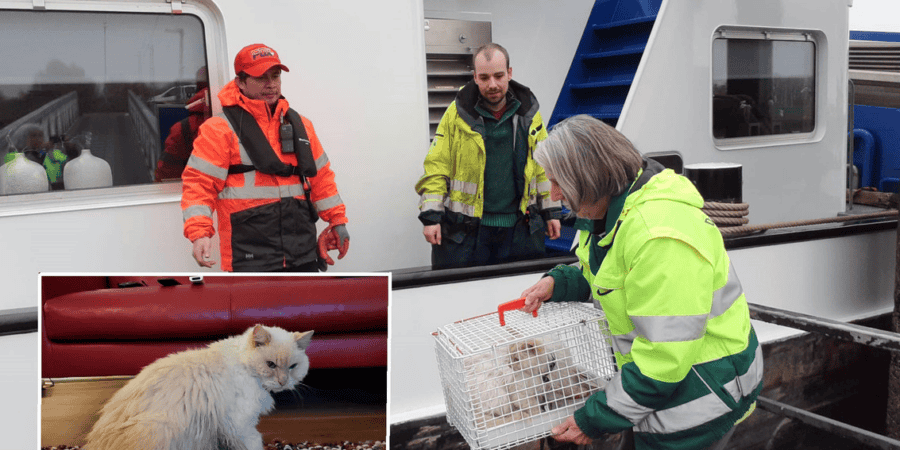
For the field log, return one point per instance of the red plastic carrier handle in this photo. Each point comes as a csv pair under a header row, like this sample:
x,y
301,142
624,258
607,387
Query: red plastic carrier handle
x,y
509,306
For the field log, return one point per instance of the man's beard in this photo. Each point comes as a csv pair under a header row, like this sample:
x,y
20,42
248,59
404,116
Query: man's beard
x,y
499,101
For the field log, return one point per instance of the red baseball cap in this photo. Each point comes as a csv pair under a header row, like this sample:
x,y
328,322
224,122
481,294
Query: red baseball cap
x,y
256,59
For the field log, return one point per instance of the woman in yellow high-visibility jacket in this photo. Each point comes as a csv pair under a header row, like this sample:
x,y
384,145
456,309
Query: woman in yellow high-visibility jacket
x,y
690,365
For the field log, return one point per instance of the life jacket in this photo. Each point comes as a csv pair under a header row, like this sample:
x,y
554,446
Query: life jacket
x,y
263,156
261,152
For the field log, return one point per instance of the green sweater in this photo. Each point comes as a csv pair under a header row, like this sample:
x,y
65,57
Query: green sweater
x,y
501,198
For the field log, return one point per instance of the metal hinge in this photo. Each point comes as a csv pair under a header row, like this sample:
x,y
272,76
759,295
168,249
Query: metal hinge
x,y
176,6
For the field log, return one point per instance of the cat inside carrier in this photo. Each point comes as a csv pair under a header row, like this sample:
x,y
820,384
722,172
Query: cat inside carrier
x,y
509,377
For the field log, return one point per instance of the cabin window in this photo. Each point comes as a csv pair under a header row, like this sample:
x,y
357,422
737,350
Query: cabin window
x,y
88,85
763,84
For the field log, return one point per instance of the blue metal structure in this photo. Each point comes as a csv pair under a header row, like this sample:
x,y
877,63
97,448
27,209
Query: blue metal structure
x,y
877,157
602,71
874,36
606,60
876,149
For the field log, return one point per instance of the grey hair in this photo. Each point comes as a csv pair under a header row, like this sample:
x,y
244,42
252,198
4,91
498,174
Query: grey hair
x,y
588,159
20,138
488,50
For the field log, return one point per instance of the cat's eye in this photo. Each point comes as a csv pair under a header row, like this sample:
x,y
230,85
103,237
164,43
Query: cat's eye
x,y
292,366
271,364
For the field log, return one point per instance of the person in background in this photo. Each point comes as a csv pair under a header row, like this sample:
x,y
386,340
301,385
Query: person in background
x,y
180,141
31,140
690,364
483,199
262,169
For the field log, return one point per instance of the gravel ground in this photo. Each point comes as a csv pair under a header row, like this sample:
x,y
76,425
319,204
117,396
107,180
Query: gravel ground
x,y
279,445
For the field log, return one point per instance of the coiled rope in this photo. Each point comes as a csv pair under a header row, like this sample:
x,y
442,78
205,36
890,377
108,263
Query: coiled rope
x,y
727,214
731,218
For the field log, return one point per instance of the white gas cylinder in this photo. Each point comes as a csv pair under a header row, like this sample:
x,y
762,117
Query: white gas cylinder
x,y
23,176
87,171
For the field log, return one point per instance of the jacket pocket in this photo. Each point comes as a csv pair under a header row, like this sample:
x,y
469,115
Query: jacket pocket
x,y
456,227
255,236
715,387
298,231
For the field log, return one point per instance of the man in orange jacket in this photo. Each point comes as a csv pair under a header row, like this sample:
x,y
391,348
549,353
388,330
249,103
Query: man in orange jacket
x,y
261,167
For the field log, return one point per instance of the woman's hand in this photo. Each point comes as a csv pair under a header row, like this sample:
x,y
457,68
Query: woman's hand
x,y
568,431
537,294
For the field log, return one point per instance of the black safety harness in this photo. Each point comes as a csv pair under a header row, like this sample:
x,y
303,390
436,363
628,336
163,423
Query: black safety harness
x,y
264,158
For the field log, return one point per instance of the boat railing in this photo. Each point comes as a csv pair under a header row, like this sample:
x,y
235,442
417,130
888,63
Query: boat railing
x,y
55,117
147,129
859,334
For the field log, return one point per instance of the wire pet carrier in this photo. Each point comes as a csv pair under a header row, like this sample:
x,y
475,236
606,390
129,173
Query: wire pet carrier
x,y
507,384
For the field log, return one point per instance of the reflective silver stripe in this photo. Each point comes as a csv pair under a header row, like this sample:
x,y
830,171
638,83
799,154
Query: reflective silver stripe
x,y
431,202
661,329
207,168
196,210
544,186
725,296
321,161
330,202
464,187
670,328
684,417
622,403
622,342
460,207
744,384
253,192
706,408
249,178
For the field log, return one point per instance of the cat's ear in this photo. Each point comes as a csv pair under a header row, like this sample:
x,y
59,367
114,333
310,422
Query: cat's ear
x,y
260,336
302,339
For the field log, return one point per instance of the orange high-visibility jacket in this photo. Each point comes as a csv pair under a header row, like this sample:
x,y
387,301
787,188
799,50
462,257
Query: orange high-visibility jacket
x,y
263,225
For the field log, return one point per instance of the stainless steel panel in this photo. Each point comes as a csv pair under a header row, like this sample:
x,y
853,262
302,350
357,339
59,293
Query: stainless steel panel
x,y
450,36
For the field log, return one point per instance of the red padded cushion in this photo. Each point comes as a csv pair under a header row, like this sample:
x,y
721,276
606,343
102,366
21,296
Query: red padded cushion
x,y
326,306
179,312
188,312
128,358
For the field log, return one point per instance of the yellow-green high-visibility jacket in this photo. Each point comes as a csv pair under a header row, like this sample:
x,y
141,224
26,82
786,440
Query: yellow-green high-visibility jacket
x,y
454,168
690,366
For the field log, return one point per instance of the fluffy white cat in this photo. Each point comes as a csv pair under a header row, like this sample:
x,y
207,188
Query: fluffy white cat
x,y
206,398
509,386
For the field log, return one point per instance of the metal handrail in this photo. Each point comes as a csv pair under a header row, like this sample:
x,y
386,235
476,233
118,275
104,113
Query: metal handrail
x,y
859,334
18,321
824,423
872,337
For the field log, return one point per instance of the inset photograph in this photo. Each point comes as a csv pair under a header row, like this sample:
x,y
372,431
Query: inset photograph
x,y
213,362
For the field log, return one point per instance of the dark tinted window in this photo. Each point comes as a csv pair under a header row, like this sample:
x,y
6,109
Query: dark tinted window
x,y
763,87
113,83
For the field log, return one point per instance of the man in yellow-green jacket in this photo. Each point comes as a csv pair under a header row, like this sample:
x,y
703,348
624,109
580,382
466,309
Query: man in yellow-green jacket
x,y
483,198
690,365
